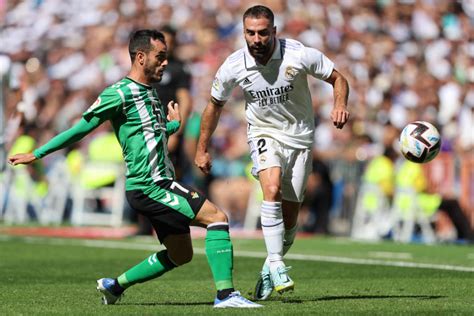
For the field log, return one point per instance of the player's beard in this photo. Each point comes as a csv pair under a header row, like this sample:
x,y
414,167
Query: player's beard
x,y
262,51
151,73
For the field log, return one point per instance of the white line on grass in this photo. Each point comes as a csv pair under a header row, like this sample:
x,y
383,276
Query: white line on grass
x,y
249,254
390,255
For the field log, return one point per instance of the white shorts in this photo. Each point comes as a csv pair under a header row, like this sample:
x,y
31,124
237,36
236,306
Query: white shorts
x,y
295,164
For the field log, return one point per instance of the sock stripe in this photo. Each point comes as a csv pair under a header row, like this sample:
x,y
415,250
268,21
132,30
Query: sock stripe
x,y
218,226
279,223
152,259
218,223
271,204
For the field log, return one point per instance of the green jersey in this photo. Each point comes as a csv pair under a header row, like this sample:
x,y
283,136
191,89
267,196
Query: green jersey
x,y
139,122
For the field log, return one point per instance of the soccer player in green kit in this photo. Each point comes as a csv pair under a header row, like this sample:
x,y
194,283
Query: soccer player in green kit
x,y
142,126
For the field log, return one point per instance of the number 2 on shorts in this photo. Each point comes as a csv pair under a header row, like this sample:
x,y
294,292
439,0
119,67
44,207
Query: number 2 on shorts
x,y
261,146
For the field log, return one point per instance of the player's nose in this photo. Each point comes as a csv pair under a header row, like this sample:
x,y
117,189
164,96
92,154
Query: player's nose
x,y
257,39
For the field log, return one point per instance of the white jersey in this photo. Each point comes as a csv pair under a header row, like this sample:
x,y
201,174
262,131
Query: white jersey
x,y
278,101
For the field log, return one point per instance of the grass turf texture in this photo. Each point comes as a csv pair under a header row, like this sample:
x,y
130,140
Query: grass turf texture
x,y
57,277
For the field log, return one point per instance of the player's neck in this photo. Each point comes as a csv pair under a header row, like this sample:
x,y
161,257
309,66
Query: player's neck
x,y
138,76
263,61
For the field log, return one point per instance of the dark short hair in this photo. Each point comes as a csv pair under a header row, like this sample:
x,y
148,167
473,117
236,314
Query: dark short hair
x,y
259,11
141,41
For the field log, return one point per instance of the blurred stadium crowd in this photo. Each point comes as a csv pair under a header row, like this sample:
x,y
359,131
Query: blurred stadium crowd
x,y
405,60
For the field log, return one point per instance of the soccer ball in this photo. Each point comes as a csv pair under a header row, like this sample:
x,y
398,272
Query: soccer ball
x,y
420,142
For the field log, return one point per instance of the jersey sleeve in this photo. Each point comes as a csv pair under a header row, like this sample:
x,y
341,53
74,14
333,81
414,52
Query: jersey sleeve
x,y
223,84
68,137
106,106
316,63
172,127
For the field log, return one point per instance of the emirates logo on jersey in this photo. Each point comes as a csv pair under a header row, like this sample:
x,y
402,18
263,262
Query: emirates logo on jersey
x,y
290,73
271,96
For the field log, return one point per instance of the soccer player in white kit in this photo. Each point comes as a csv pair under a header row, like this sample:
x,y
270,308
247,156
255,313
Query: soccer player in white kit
x,y
273,75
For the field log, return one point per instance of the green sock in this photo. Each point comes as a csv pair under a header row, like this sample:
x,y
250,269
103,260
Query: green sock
x,y
220,255
152,267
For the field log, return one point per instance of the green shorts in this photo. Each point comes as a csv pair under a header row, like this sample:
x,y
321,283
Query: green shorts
x,y
169,205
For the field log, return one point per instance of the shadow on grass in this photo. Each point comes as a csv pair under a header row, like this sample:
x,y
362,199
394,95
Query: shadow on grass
x,y
170,304
298,300
358,297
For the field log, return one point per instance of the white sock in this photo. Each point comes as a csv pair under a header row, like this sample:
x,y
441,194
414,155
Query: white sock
x,y
273,230
288,239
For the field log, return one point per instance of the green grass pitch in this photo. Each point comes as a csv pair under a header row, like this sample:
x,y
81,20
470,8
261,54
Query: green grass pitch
x,y
47,276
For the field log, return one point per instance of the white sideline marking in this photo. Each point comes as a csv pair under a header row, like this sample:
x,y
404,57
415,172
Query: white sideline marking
x,y
390,255
249,254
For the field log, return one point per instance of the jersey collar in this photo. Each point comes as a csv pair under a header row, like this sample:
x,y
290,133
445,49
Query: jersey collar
x,y
250,62
139,83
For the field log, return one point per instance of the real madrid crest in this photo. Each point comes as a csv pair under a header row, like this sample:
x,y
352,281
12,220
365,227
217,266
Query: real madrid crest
x,y
290,73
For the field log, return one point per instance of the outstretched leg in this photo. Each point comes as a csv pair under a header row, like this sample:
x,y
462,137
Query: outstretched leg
x,y
179,251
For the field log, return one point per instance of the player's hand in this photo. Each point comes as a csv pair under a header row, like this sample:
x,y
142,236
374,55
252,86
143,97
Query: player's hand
x,y
339,116
203,161
173,112
21,159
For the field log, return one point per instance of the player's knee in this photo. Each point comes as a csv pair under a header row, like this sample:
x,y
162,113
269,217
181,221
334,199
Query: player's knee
x,y
183,257
187,257
273,191
219,217
209,214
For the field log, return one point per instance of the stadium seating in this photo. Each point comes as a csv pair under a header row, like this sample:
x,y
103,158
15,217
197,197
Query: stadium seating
x,y
101,181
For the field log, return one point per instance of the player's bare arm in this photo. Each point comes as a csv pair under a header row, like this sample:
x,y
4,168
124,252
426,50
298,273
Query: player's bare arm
x,y
209,120
339,114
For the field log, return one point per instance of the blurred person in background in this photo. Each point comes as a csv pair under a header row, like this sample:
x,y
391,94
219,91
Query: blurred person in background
x,y
142,127
319,198
273,75
175,86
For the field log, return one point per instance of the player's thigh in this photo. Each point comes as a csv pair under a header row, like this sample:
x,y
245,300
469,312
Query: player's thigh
x,y
179,247
270,181
268,162
296,174
265,153
208,214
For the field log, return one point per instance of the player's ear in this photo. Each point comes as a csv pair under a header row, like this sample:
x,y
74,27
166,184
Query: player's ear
x,y
140,58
